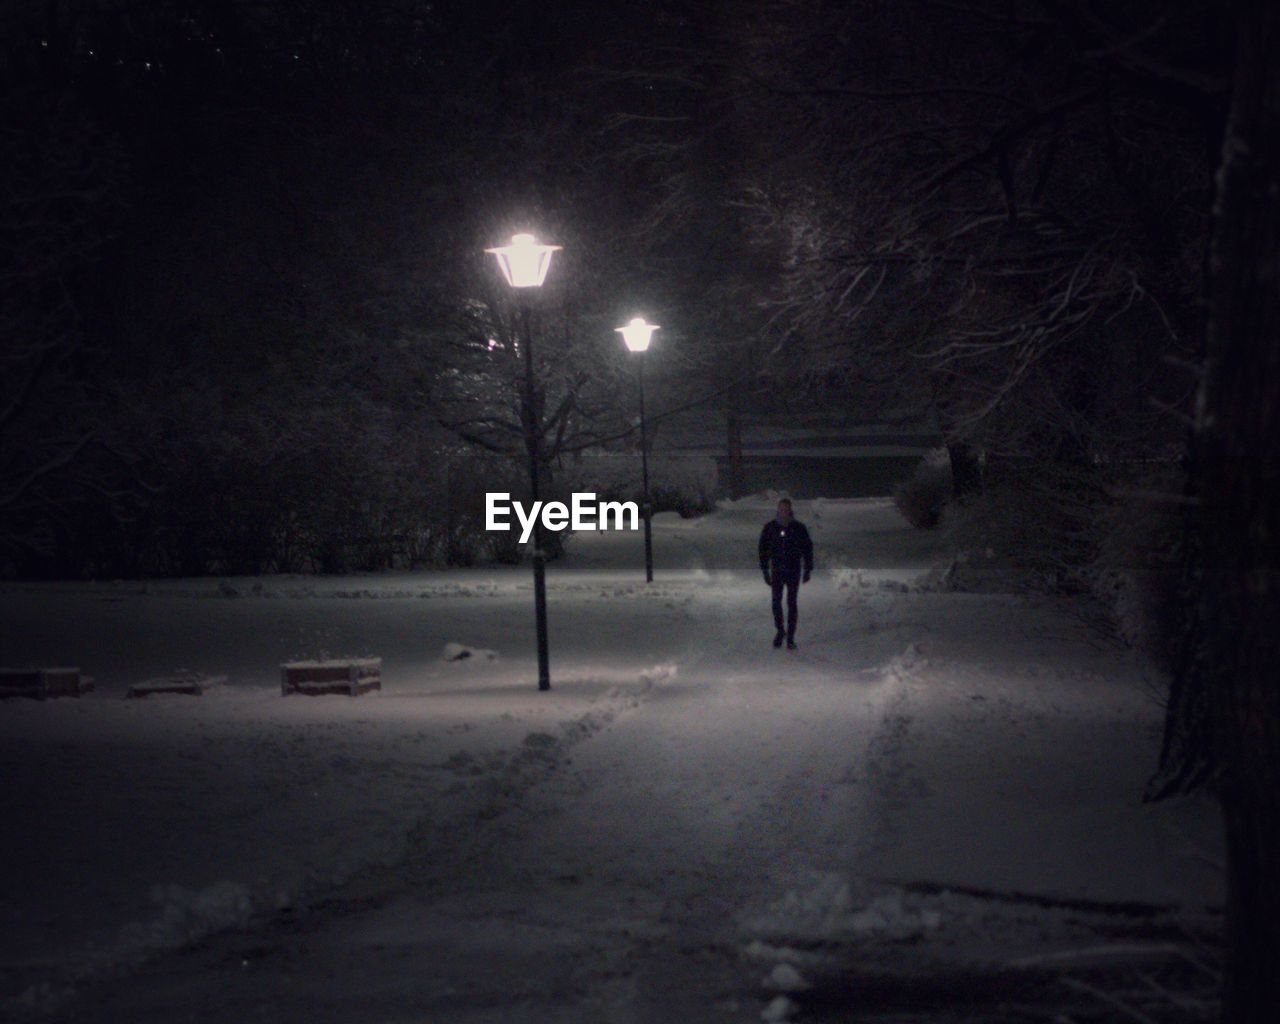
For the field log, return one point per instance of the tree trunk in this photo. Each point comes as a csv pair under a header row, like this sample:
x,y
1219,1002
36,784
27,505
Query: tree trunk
x,y
1236,466
733,443
966,472
452,552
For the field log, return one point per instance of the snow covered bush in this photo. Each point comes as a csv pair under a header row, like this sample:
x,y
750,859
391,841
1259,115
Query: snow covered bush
x,y
1105,534
1033,527
686,485
1135,573
921,497
505,547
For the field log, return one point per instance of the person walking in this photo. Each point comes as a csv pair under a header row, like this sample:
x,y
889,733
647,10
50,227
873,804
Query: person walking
x,y
786,559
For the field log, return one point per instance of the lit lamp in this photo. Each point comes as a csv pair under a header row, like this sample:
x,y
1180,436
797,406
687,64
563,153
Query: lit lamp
x,y
637,334
524,263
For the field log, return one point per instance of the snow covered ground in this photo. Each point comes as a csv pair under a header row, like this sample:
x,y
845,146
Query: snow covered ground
x,y
690,823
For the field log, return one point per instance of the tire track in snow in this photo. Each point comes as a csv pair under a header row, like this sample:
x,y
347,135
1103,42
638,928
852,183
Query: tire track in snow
x,y
440,845
504,780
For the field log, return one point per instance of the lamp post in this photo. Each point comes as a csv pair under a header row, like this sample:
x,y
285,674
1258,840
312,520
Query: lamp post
x,y
524,263
637,334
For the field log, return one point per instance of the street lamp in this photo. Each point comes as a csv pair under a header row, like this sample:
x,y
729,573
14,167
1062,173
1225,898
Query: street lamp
x,y
637,334
524,263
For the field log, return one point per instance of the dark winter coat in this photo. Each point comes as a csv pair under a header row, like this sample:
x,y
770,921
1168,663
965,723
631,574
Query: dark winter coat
x,y
785,550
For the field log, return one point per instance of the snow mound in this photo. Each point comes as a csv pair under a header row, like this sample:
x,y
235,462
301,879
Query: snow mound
x,y
823,908
846,578
785,978
902,668
659,673
763,951
185,915
461,652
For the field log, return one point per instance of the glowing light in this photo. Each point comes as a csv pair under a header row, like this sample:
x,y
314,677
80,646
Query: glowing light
x,y
637,334
524,262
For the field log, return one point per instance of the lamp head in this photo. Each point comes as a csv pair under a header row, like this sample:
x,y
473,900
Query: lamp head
x,y
525,262
637,334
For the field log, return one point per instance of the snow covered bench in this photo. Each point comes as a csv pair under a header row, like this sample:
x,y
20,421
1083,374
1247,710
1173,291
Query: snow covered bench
x,y
352,676
193,684
43,683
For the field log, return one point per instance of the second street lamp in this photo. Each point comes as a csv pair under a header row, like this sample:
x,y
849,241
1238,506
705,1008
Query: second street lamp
x,y
637,334
524,263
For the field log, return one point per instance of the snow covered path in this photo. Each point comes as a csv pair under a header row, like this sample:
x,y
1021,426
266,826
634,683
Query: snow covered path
x,y
934,777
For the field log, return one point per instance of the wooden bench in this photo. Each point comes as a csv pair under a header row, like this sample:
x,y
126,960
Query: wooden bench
x,y
350,676
192,684
43,683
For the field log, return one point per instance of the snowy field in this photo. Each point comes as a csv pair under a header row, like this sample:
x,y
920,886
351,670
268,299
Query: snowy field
x,y
689,822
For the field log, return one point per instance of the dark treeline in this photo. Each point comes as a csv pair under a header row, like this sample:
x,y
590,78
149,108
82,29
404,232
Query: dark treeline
x,y
248,321
247,312
992,216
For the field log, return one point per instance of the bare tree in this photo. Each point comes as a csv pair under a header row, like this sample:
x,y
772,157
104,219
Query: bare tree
x,y
968,215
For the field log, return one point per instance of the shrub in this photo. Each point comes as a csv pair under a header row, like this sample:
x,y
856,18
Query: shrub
x,y
1100,533
921,497
1034,527
506,548
1136,571
676,484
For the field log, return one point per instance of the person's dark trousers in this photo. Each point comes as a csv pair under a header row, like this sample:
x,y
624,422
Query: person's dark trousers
x,y
792,586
